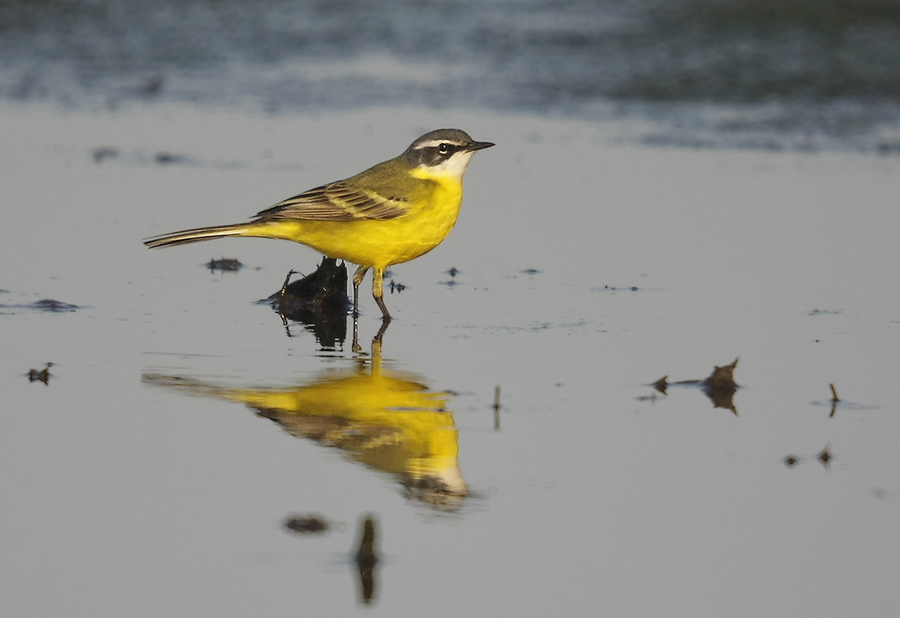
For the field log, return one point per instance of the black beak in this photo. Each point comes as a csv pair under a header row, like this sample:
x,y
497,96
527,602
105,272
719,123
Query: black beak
x,y
479,145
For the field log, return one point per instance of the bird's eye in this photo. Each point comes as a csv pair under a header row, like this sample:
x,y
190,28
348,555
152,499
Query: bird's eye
x,y
444,148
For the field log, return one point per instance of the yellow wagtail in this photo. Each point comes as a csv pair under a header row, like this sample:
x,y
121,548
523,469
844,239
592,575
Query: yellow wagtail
x,y
391,213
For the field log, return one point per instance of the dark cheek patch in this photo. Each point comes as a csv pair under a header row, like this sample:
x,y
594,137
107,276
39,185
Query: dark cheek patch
x,y
432,156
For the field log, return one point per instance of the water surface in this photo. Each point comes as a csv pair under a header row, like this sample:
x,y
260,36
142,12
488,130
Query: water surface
x,y
586,271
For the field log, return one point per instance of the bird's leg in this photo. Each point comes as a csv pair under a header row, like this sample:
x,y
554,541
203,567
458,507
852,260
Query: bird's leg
x,y
378,292
357,279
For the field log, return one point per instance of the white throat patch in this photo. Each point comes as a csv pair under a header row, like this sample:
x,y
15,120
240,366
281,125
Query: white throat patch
x,y
455,166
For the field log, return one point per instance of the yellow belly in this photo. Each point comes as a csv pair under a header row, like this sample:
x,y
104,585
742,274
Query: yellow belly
x,y
373,242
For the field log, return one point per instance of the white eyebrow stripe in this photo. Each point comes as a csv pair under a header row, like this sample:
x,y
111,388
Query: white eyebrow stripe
x,y
437,142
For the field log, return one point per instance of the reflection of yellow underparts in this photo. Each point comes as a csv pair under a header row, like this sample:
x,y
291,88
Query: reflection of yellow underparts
x,y
387,420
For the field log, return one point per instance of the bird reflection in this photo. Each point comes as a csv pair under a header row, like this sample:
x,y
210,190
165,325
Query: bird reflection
x,y
385,419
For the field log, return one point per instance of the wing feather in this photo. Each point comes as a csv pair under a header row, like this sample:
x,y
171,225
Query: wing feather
x,y
337,201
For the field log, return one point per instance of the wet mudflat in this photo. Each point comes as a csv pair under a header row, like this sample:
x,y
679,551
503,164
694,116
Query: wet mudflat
x,y
182,426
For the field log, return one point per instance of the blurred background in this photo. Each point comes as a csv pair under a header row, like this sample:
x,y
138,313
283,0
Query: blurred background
x,y
799,74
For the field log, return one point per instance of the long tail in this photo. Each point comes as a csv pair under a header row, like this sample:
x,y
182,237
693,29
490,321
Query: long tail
x,y
201,233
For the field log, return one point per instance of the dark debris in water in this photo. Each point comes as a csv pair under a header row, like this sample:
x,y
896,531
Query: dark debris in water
x,y
612,288
40,375
103,153
452,281
48,305
307,524
836,402
824,457
53,306
719,386
224,264
168,158
826,312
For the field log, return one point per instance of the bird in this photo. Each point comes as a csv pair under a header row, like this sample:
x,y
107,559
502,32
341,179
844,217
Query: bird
x,y
390,213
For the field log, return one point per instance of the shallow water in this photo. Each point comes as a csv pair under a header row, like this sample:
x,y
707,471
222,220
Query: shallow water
x,y
148,474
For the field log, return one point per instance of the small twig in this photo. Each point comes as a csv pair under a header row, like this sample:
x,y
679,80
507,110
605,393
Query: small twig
x,y
834,401
281,296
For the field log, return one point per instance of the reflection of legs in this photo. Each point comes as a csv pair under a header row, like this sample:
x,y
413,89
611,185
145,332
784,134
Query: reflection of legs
x,y
380,334
376,342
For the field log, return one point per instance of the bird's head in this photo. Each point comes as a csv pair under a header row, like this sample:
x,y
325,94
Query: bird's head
x,y
444,152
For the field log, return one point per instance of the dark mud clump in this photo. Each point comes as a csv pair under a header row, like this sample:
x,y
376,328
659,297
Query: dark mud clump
x,y
307,524
319,301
